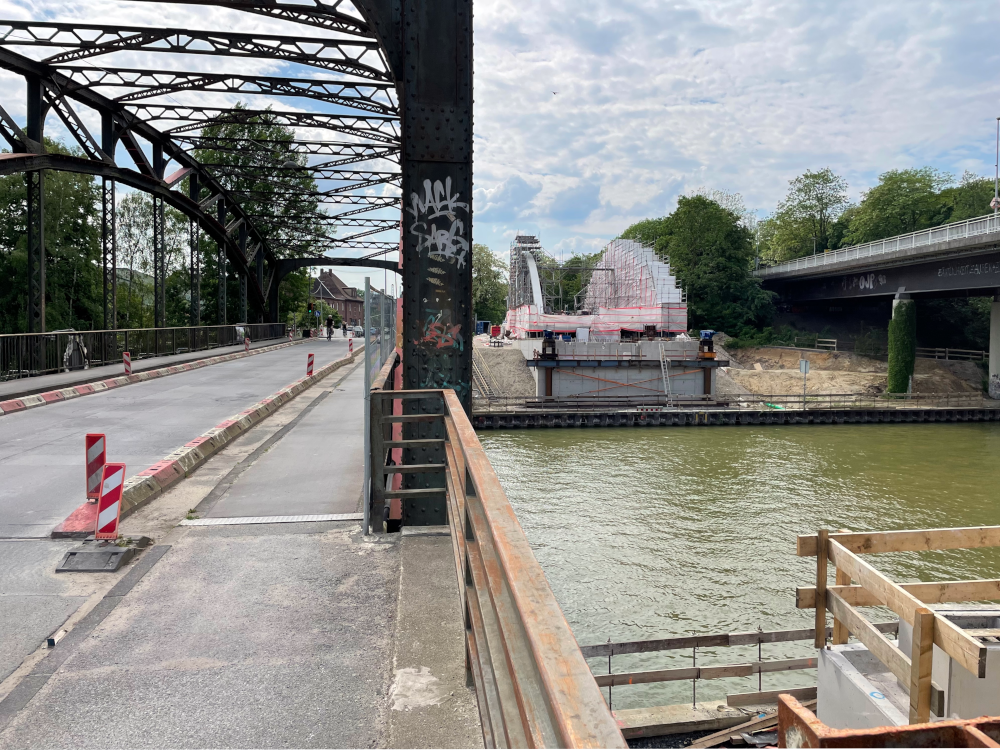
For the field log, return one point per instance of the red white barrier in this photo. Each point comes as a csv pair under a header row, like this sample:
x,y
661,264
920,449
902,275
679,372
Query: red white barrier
x,y
246,345
350,346
95,447
127,361
309,365
109,506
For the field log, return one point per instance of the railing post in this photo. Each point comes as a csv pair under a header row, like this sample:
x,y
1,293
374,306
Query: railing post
x,y
821,552
921,662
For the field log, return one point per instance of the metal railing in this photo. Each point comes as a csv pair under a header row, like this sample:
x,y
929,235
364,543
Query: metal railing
x,y
818,401
532,683
924,238
29,354
974,355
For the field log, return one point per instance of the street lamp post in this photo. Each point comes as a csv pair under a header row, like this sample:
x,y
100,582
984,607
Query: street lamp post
x,y
996,175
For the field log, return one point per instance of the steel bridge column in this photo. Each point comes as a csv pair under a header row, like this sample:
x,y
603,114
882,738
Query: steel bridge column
x,y
222,268
260,279
243,276
436,109
35,183
194,236
159,247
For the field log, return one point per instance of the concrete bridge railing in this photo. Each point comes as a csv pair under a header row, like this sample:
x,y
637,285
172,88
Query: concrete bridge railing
x,y
924,238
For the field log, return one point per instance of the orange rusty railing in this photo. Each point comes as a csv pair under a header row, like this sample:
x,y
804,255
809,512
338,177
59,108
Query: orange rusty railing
x,y
532,683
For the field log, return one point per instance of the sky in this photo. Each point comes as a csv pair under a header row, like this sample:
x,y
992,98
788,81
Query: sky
x,y
593,114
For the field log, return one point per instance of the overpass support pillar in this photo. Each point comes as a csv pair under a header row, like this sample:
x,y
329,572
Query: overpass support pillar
x,y
994,386
902,343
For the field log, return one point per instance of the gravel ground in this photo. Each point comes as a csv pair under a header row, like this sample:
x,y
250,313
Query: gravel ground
x,y
507,365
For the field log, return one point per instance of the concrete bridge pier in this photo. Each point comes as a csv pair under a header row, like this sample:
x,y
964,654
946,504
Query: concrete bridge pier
x,y
994,386
902,329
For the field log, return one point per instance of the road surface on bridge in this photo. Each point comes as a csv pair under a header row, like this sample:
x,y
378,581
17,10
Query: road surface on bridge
x,y
41,450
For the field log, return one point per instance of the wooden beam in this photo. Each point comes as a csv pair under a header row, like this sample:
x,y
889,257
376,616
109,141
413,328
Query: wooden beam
x,y
840,633
751,726
714,672
771,696
921,661
880,646
950,638
865,542
933,592
821,556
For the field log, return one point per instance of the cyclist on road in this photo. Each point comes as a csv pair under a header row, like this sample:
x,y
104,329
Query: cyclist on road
x,y
329,327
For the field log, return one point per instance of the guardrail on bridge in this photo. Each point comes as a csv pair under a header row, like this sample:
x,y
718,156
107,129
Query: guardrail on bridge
x,y
925,237
29,354
533,686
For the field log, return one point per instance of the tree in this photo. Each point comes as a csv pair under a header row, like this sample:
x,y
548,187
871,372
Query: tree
x,y
73,290
711,254
905,200
489,284
255,159
970,198
803,222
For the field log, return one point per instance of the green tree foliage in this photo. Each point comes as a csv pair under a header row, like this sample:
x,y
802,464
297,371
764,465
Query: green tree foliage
x,y
576,276
905,200
902,346
970,198
489,285
256,160
74,288
804,222
711,253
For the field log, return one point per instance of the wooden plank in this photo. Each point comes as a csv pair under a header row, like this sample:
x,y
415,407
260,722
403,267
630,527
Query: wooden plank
x,y
713,672
751,726
880,646
840,632
865,542
932,592
950,638
414,469
770,696
921,661
750,638
421,443
658,721
821,555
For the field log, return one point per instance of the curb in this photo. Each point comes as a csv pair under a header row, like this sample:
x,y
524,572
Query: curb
x,y
148,484
64,394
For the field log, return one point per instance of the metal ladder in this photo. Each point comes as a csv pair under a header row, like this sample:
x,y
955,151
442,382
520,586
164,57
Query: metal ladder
x,y
664,366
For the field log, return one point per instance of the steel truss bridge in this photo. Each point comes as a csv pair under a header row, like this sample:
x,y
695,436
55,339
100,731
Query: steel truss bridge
x,y
379,103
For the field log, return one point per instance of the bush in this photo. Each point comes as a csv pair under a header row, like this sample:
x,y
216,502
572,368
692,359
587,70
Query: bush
x,y
902,346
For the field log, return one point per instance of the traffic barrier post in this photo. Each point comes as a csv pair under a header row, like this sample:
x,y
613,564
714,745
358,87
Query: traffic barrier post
x,y
95,449
246,345
350,346
127,361
109,506
309,365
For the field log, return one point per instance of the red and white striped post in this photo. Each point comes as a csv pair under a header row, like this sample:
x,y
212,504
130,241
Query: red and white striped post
x,y
309,365
350,346
109,506
127,361
95,448
246,345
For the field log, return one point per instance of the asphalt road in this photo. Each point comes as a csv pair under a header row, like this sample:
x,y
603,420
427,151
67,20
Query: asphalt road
x,y
41,450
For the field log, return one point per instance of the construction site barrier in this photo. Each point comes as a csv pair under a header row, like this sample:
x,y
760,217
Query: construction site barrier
x,y
533,686
28,354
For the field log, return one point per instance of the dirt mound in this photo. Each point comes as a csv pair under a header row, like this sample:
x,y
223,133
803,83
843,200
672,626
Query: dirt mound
x,y
776,358
509,370
940,376
788,382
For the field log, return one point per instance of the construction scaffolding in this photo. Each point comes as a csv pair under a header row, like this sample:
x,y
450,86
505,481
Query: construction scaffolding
x,y
630,289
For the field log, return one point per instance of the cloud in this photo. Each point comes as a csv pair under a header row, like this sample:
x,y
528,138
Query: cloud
x,y
574,205
508,201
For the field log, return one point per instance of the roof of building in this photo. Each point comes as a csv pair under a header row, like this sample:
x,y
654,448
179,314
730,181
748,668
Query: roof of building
x,y
329,286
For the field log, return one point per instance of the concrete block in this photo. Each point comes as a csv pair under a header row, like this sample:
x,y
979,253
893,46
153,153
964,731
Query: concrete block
x,y
95,557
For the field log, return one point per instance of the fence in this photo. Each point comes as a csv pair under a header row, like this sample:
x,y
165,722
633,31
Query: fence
x,y
974,355
762,402
924,238
532,683
29,354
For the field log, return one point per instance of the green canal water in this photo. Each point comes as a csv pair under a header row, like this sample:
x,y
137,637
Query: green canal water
x,y
650,533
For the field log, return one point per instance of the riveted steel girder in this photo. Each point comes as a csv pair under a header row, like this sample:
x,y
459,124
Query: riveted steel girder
x,y
322,15
82,40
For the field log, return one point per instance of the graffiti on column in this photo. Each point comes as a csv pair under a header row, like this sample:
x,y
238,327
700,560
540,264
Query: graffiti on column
x,y
438,332
436,222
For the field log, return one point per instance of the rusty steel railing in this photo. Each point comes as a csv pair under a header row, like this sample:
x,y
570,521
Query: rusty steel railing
x,y
533,686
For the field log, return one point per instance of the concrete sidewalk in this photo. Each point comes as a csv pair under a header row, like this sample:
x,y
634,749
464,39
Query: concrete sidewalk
x,y
264,635
55,381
